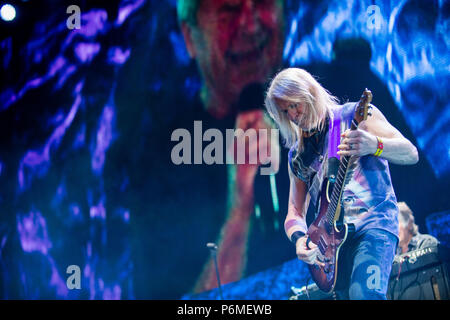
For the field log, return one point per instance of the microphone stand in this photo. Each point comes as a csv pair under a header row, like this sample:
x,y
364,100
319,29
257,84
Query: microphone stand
x,y
213,248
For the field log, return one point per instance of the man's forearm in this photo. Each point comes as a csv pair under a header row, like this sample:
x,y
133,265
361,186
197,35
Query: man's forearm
x,y
234,234
398,151
233,244
294,222
365,141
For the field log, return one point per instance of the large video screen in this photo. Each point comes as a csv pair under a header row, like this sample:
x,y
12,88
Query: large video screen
x,y
116,179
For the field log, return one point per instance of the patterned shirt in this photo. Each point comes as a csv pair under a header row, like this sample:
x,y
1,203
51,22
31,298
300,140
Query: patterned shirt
x,y
368,198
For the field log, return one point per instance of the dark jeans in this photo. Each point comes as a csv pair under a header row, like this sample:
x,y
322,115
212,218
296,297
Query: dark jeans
x,y
364,265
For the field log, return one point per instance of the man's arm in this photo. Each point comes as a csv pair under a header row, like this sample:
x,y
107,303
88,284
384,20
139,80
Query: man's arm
x,y
233,238
296,221
295,218
396,148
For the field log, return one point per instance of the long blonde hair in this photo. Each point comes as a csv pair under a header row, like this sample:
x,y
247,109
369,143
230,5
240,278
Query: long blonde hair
x,y
296,85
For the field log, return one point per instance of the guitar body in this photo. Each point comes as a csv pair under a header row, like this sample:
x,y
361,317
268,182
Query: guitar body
x,y
329,239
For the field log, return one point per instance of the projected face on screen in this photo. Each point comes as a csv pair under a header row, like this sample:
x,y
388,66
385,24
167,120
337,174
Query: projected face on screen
x,y
235,42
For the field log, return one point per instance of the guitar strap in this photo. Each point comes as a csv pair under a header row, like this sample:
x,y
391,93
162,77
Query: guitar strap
x,y
336,126
340,125
334,136
334,139
314,192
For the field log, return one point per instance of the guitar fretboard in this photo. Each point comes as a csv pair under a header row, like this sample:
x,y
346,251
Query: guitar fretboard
x,y
341,179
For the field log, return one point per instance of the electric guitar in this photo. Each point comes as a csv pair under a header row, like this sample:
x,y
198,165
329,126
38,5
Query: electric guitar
x,y
328,231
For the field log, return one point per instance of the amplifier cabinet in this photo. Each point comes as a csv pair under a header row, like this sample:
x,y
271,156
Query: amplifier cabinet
x,y
428,283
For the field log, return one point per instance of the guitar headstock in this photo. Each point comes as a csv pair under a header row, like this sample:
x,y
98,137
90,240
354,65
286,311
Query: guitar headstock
x,y
363,109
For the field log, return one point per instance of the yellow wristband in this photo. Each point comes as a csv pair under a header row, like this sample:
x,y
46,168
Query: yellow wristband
x,y
379,147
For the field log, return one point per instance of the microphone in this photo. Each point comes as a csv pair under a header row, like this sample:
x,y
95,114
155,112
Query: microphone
x,y
251,97
213,248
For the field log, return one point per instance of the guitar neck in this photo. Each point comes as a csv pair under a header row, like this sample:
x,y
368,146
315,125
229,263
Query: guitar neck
x,y
341,178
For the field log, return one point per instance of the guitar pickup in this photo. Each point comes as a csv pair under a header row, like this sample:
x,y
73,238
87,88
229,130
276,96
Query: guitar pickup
x,y
322,245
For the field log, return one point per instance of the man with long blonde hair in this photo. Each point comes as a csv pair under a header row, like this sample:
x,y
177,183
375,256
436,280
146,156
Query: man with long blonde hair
x,y
304,112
